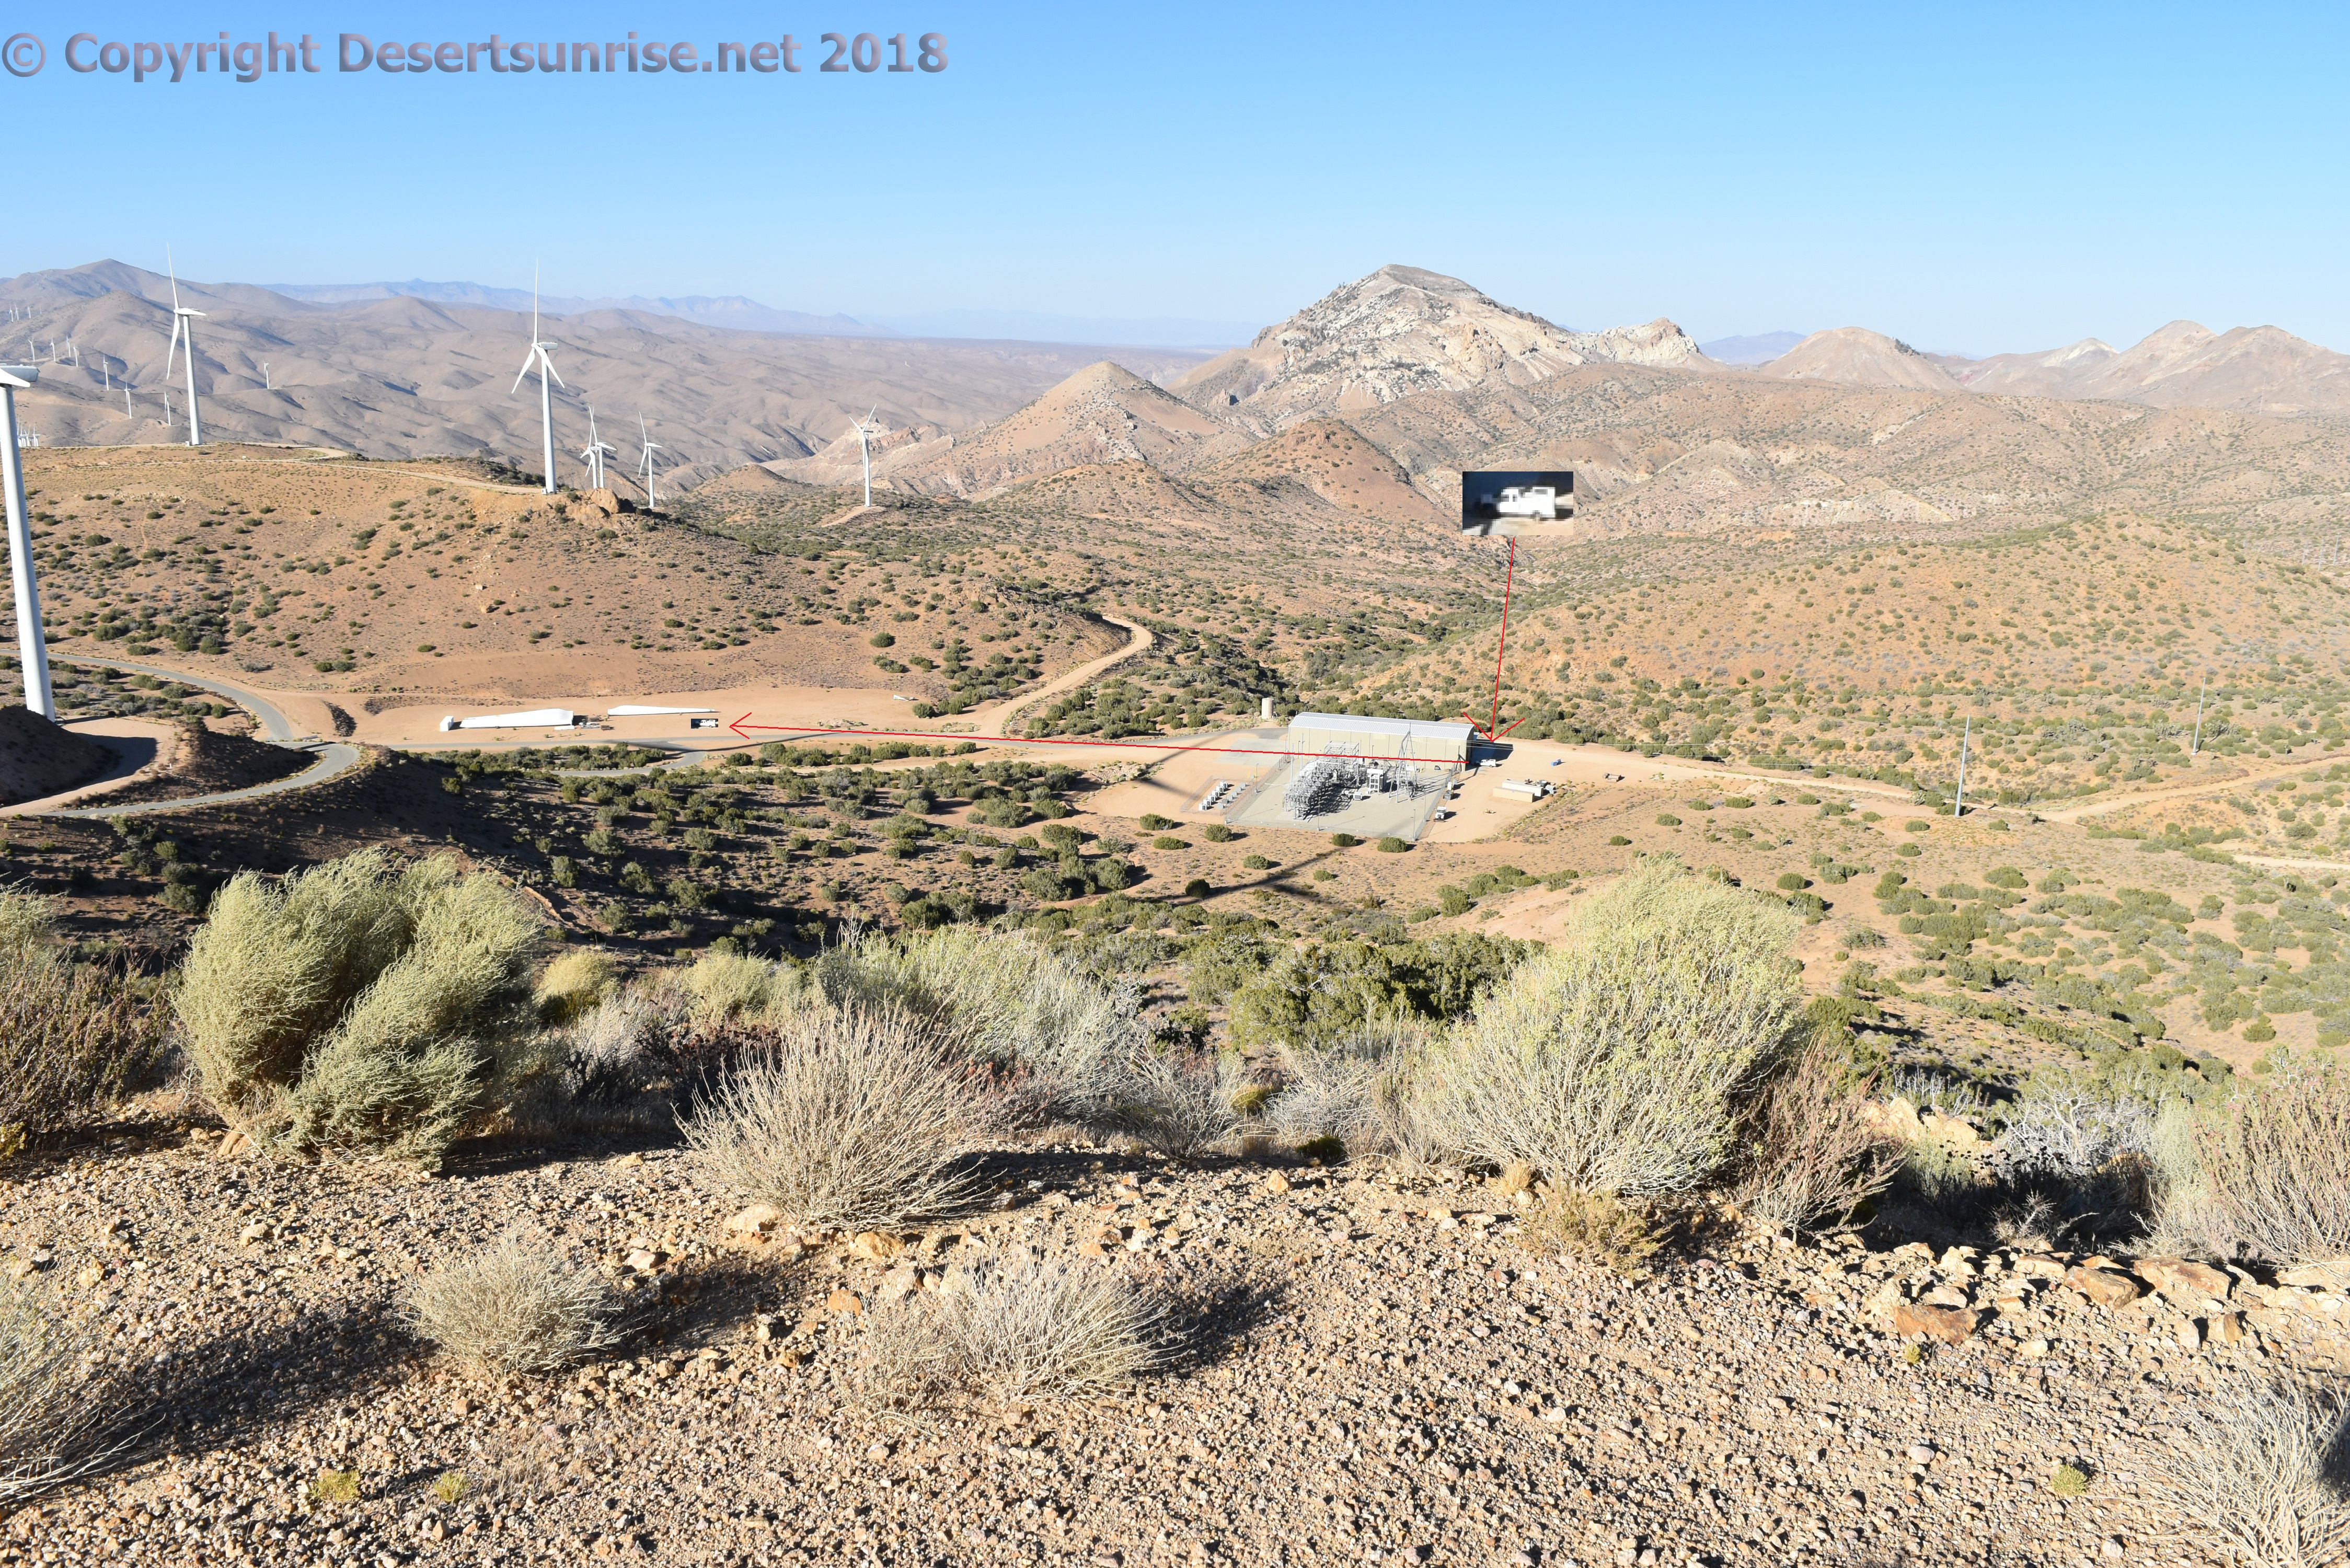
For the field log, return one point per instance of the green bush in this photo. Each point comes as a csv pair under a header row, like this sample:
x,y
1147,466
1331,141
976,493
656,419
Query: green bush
x,y
1392,846
364,1002
1197,887
1216,833
1153,822
1255,863
1621,1060
1667,819
1343,840
1793,882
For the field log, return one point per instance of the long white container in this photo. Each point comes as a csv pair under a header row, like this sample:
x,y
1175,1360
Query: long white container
x,y
535,719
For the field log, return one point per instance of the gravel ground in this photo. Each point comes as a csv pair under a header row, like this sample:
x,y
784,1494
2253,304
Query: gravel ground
x,y
1373,1367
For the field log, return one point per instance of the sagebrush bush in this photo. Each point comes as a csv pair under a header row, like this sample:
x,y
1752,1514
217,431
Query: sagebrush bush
x,y
574,983
616,1047
1016,1003
2261,1470
2274,1158
1028,1330
74,1037
56,1407
1180,1102
364,1002
27,921
849,1117
1620,1060
1350,1090
732,988
513,1307
1814,1153
1593,1228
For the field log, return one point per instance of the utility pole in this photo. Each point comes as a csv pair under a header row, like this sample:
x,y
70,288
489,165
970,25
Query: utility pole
x,y
2197,744
1965,735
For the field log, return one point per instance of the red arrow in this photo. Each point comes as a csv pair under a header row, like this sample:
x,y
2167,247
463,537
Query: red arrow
x,y
739,727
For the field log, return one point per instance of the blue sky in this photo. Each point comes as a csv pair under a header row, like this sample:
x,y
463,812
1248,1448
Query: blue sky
x,y
1973,179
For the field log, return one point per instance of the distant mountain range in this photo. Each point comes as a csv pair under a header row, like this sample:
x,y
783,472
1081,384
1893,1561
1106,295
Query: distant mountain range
x,y
397,375
2254,369
738,313
1758,349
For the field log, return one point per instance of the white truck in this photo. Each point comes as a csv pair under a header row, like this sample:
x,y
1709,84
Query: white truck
x,y
1528,501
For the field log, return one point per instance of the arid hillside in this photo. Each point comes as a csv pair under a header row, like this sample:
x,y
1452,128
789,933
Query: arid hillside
x,y
408,377
422,580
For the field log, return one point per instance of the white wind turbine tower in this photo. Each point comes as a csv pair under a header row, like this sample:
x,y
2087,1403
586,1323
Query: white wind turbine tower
x,y
864,426
596,451
646,467
183,334
32,645
537,355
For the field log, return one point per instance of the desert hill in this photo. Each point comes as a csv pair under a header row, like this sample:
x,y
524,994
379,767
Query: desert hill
x,y
1669,451
1861,358
1330,459
2034,375
2255,369
339,577
38,759
404,378
1103,413
1403,331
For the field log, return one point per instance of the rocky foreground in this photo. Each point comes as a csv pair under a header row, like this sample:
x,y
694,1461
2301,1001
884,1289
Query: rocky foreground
x,y
1369,1365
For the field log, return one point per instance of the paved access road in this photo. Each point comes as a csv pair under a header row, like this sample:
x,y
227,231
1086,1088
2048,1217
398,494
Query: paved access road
x,y
334,757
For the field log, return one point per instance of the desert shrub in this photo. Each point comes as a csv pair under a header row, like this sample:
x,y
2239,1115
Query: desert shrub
x,y
512,1307
1330,1093
363,1003
2064,1129
1027,1330
1013,1001
849,1117
56,1407
2275,1163
1619,1059
78,1036
27,922
1178,1102
1593,1228
1815,1154
575,982
725,988
2261,1469
614,1050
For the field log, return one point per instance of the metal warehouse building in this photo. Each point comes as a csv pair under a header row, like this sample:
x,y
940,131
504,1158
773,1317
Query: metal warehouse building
x,y
1348,734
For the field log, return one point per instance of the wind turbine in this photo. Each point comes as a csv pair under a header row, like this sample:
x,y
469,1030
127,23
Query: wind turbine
x,y
182,333
646,467
863,426
537,355
32,646
595,452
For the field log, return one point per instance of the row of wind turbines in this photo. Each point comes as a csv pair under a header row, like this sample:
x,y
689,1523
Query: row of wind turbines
x,y
597,449
536,358
593,454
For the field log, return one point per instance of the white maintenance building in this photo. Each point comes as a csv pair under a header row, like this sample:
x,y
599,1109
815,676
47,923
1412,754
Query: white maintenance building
x,y
1412,739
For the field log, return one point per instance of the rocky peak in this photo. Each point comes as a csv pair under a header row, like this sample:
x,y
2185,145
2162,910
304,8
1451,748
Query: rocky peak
x,y
1403,331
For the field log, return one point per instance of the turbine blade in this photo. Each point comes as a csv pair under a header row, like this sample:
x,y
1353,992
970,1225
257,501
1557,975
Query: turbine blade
x,y
518,378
